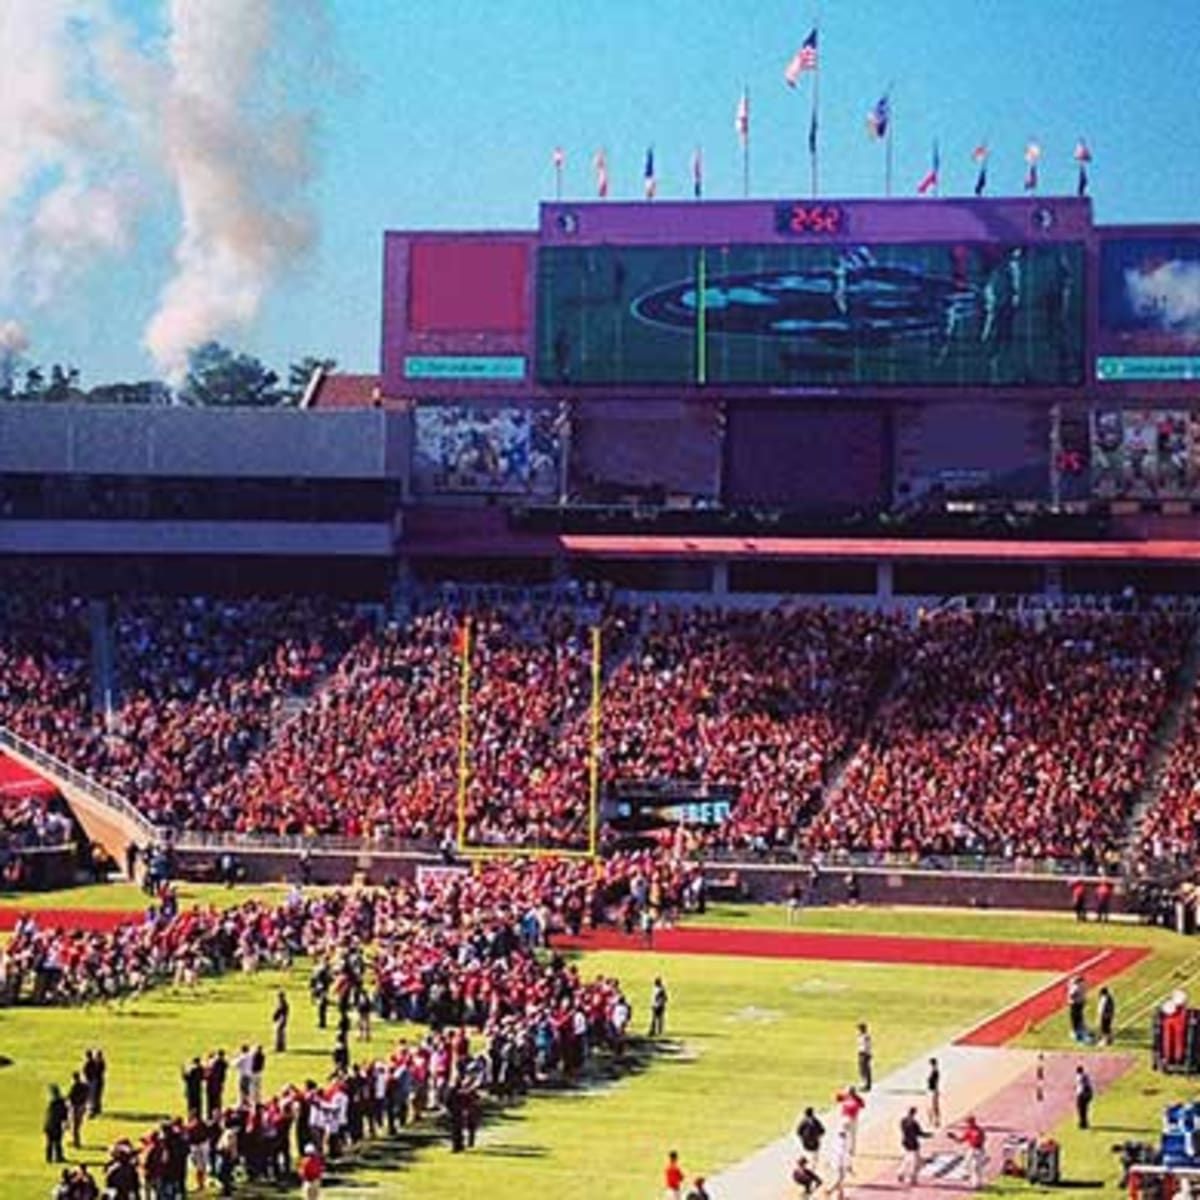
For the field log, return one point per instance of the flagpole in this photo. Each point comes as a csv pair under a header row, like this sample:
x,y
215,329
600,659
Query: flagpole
x,y
887,152
814,128
746,146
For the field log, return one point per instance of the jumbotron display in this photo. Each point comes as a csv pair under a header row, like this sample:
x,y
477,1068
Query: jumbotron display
x,y
928,314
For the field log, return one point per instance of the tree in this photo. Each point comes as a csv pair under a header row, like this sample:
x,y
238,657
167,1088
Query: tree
x,y
221,378
35,384
299,373
63,386
145,391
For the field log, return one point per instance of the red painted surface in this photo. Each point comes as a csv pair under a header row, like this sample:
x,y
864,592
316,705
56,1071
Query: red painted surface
x,y
18,782
1011,1023
845,947
467,287
93,921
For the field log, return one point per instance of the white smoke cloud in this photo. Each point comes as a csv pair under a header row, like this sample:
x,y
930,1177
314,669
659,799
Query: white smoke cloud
x,y
96,119
238,157
14,341
1169,293
67,165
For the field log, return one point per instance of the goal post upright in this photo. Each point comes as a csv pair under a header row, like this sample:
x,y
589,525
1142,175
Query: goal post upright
x,y
594,758
464,728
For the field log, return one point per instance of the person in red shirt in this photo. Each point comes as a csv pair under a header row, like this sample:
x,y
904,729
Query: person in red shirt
x,y
312,1170
1079,899
673,1177
850,1105
973,1138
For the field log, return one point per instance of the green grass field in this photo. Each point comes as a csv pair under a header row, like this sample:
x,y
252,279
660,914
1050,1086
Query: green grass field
x,y
750,1041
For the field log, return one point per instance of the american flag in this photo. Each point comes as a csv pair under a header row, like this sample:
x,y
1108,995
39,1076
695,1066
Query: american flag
x,y
1083,152
558,158
805,59
741,121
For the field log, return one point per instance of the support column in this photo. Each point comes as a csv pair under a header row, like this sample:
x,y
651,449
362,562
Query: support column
x,y
720,579
884,577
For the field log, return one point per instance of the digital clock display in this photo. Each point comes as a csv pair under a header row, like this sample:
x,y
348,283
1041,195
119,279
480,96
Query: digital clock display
x,y
814,218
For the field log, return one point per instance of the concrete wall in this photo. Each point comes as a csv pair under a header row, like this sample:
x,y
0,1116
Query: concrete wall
x,y
81,439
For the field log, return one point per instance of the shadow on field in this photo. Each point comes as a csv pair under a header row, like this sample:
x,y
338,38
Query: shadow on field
x,y
143,1118
500,1126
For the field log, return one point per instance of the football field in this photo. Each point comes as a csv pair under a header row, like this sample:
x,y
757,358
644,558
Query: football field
x,y
751,1039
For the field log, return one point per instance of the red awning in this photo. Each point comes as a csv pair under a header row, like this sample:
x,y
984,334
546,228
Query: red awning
x,y
18,782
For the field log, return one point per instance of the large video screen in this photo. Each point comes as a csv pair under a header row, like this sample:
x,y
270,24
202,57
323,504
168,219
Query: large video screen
x,y
1149,308
1150,294
487,448
1145,454
819,315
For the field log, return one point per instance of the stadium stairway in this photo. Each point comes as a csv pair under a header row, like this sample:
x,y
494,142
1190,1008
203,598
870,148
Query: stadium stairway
x,y
885,688
1172,723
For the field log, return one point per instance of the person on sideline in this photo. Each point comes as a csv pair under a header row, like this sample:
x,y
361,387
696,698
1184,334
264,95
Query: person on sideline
x,y
673,1177
312,1171
933,1090
911,1137
865,1056
54,1124
1106,1012
1083,1096
974,1139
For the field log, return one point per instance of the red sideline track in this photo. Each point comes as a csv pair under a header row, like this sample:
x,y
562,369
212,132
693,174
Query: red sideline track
x,y
99,920
1095,963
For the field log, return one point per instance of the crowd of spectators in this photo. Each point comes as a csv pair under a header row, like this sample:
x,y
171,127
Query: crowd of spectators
x,y
766,702
1170,833
1019,736
467,954
198,685
377,753
1009,736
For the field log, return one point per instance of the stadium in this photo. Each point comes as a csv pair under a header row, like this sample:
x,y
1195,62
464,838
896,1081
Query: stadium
x,y
768,598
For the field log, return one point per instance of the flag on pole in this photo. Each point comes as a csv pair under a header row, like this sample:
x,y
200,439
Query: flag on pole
x,y
650,182
929,181
1083,156
980,156
805,59
741,120
697,173
600,161
879,118
1033,152
558,158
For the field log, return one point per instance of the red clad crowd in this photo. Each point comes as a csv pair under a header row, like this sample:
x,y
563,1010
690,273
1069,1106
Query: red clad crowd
x,y
1010,737
453,950
764,701
1016,736
1170,833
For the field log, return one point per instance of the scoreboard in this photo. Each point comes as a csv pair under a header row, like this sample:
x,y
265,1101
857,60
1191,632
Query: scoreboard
x,y
830,312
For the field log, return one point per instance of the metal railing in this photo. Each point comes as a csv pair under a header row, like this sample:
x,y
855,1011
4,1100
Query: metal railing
x,y
949,864
97,791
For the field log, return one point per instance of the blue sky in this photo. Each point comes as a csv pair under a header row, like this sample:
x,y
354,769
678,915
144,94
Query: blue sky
x,y
445,117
